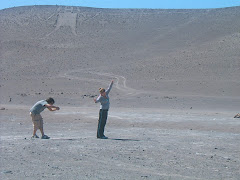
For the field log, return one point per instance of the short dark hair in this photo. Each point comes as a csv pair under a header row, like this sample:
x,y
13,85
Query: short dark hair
x,y
50,100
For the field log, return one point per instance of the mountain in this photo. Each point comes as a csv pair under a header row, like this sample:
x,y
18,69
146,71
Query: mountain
x,y
158,58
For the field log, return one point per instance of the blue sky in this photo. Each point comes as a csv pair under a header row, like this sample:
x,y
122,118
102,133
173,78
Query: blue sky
x,y
153,4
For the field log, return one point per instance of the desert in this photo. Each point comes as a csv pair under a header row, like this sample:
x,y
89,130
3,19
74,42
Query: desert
x,y
175,94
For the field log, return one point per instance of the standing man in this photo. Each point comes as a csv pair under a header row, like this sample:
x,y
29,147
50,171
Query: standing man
x,y
103,113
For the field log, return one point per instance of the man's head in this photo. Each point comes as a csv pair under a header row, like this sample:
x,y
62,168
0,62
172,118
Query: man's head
x,y
50,101
102,91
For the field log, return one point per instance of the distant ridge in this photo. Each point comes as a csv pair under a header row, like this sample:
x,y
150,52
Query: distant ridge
x,y
166,53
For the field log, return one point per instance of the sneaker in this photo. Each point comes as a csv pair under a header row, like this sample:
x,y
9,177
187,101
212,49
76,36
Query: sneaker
x,y
237,116
103,137
45,137
34,136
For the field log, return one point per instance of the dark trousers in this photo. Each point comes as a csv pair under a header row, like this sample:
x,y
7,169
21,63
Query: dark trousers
x,y
103,114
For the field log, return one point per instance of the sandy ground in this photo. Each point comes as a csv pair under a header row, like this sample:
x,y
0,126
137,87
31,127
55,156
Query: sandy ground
x,y
143,144
176,90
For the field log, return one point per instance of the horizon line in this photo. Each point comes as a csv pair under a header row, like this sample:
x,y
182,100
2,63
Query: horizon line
x,y
122,8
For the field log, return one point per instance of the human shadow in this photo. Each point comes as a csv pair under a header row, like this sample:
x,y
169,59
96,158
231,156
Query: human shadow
x,y
66,139
117,139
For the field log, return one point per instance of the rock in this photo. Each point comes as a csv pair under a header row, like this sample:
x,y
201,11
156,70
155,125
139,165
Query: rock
x,y
7,172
